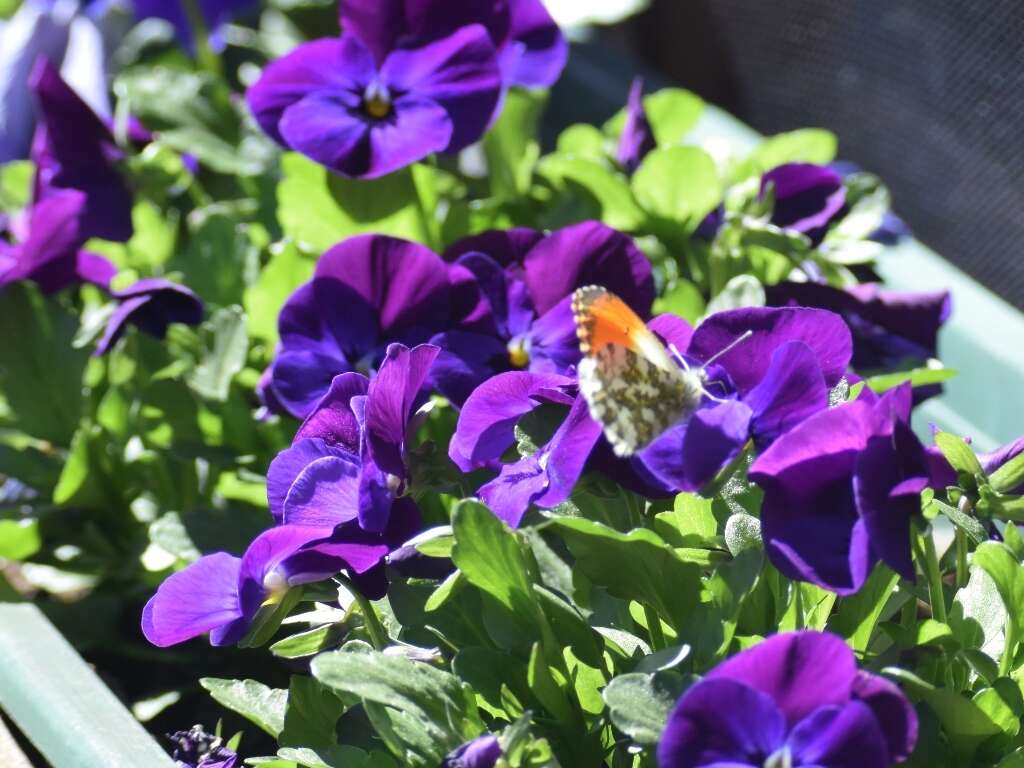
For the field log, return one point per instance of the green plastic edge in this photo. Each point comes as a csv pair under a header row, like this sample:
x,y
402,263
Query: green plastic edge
x,y
60,704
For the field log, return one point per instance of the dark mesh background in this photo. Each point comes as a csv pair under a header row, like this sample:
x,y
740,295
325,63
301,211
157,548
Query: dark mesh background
x,y
927,93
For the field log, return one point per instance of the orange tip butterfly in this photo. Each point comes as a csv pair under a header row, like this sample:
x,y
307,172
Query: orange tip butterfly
x,y
633,384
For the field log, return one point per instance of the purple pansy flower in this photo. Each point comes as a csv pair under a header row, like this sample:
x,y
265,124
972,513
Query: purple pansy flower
x,y
69,37
775,379
531,49
637,138
348,462
74,149
196,748
795,700
151,305
216,14
840,491
889,328
221,594
47,247
482,752
525,282
366,292
808,197
331,101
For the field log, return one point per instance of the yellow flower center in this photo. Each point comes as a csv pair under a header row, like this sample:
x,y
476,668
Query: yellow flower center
x,y
518,353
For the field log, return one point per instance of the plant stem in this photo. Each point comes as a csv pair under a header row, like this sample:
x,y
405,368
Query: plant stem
x,y
378,635
929,562
1009,647
654,629
798,605
961,558
207,59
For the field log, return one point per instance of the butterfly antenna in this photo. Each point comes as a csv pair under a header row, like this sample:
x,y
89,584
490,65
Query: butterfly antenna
x,y
735,342
679,356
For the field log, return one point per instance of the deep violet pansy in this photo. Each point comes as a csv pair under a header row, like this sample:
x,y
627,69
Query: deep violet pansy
x,y
531,49
890,328
525,281
482,752
348,462
74,149
364,118
151,305
841,490
48,246
795,700
807,197
366,293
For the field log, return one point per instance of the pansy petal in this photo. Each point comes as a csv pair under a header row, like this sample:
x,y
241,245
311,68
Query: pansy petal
x,y
268,551
824,332
465,361
343,67
672,329
689,455
118,322
93,268
325,493
332,419
807,197
543,49
378,24
333,134
288,465
840,737
459,72
799,671
637,139
554,345
485,429
893,711
505,246
721,722
589,253
49,253
301,378
196,600
518,485
793,389
567,453
405,282
390,400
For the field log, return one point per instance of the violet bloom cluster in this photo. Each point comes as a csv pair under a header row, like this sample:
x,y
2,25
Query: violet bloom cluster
x,y
405,80
795,700
336,498
524,281
890,328
841,490
777,378
151,305
807,197
366,293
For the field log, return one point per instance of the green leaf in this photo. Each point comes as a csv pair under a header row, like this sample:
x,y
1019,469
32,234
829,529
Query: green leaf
x,y
807,145
16,185
82,479
287,269
999,704
969,525
421,712
966,725
678,184
959,454
549,691
690,523
671,112
858,614
639,704
645,569
918,377
999,563
226,345
309,643
19,539
311,714
1009,476
741,291
331,757
510,147
582,140
684,299
607,190
260,705
319,209
488,555
40,372
219,260
978,616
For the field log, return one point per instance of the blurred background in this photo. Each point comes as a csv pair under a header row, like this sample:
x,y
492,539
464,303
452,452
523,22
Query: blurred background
x,y
929,94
